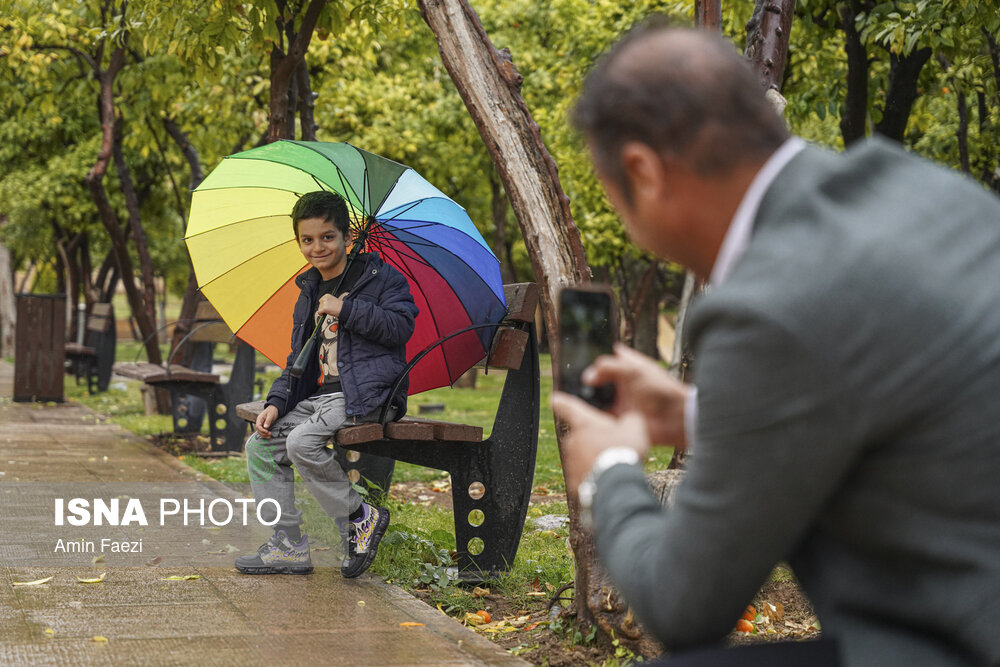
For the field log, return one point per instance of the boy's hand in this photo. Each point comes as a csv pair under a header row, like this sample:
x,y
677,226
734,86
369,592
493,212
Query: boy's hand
x,y
264,421
330,305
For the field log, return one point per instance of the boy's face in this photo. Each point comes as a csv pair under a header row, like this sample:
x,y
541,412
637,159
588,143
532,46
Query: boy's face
x,y
323,246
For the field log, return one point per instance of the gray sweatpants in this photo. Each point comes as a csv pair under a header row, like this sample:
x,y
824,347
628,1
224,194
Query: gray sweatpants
x,y
299,438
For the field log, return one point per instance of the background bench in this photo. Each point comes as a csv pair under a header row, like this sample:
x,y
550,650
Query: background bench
x,y
491,478
94,359
195,391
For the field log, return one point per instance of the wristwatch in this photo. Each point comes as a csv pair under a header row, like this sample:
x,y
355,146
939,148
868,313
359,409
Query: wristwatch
x,y
588,487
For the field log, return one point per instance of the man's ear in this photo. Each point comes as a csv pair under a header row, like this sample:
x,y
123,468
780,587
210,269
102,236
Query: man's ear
x,y
644,170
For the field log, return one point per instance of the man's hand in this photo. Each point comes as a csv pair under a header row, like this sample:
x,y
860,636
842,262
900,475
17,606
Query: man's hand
x,y
591,431
330,305
643,386
264,421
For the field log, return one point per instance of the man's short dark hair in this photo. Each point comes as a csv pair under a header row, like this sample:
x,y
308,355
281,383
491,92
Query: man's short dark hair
x,y
685,93
321,204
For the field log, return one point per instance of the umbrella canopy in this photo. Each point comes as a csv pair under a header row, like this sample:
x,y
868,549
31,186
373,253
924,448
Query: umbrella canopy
x,y
246,257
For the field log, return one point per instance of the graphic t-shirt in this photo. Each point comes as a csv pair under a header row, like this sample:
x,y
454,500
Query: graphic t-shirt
x,y
329,374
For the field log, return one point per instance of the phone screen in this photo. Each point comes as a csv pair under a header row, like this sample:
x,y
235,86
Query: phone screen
x,y
586,331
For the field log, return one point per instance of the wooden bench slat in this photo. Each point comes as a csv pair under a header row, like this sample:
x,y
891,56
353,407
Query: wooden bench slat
x,y
77,350
409,430
508,349
355,435
522,301
154,374
249,411
451,431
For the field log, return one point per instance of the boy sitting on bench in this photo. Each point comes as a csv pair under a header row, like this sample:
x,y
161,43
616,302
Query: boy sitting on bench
x,y
360,354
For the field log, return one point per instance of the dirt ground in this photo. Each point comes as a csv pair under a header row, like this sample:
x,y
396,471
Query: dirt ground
x,y
543,633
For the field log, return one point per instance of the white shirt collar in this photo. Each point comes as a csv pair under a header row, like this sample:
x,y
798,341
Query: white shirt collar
x,y
737,237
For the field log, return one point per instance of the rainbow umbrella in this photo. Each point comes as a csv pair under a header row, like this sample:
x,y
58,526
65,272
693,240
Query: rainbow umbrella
x,y
246,257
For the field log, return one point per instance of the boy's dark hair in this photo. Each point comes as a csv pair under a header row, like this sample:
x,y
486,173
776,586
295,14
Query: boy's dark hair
x,y
321,204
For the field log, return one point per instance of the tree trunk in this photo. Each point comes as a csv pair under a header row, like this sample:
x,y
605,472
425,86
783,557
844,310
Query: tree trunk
x,y
708,14
307,103
490,87
852,123
8,311
189,305
902,93
640,304
501,246
135,224
108,217
767,40
283,70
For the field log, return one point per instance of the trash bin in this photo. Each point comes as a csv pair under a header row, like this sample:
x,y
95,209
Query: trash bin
x,y
40,347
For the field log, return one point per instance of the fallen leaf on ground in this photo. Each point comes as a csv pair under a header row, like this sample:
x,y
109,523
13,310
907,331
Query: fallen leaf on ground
x,y
320,548
100,639
49,631
186,577
361,603
97,559
411,624
36,582
153,563
96,580
478,592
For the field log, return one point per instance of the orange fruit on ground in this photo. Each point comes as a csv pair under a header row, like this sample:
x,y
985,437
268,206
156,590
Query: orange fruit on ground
x,y
485,614
750,613
743,625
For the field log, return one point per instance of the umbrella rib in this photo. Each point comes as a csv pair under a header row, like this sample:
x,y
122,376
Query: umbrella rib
x,y
380,245
340,172
443,249
430,312
380,236
420,224
242,263
238,222
405,270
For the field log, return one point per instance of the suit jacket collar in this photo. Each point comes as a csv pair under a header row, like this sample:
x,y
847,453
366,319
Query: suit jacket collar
x,y
737,237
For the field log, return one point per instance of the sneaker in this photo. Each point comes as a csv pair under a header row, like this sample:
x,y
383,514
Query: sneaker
x,y
278,556
362,546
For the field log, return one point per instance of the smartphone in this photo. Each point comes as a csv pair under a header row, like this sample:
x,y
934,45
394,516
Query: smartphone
x,y
587,329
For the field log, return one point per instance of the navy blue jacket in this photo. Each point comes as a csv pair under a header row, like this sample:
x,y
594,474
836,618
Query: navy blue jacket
x,y
376,322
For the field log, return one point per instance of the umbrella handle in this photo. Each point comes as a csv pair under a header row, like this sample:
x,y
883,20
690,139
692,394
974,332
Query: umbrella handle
x,y
308,350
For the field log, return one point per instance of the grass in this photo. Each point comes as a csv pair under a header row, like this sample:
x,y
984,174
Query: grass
x,y
416,552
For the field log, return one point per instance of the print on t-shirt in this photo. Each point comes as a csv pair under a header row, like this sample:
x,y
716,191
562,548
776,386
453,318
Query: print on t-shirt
x,y
329,373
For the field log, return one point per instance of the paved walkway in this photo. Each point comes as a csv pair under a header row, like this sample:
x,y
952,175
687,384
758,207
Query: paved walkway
x,y
63,451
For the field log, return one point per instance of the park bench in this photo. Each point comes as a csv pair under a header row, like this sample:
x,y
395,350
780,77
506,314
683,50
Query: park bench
x,y
491,479
195,391
93,359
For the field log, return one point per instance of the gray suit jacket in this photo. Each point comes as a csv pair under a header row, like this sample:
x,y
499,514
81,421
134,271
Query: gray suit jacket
x,y
848,380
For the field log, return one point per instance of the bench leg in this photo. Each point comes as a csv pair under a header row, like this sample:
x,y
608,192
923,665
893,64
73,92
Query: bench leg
x,y
373,473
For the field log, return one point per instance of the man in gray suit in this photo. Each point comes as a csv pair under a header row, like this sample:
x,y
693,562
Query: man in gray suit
x,y
847,362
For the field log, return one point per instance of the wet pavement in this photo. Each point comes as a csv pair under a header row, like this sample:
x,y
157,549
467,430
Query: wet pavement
x,y
178,601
